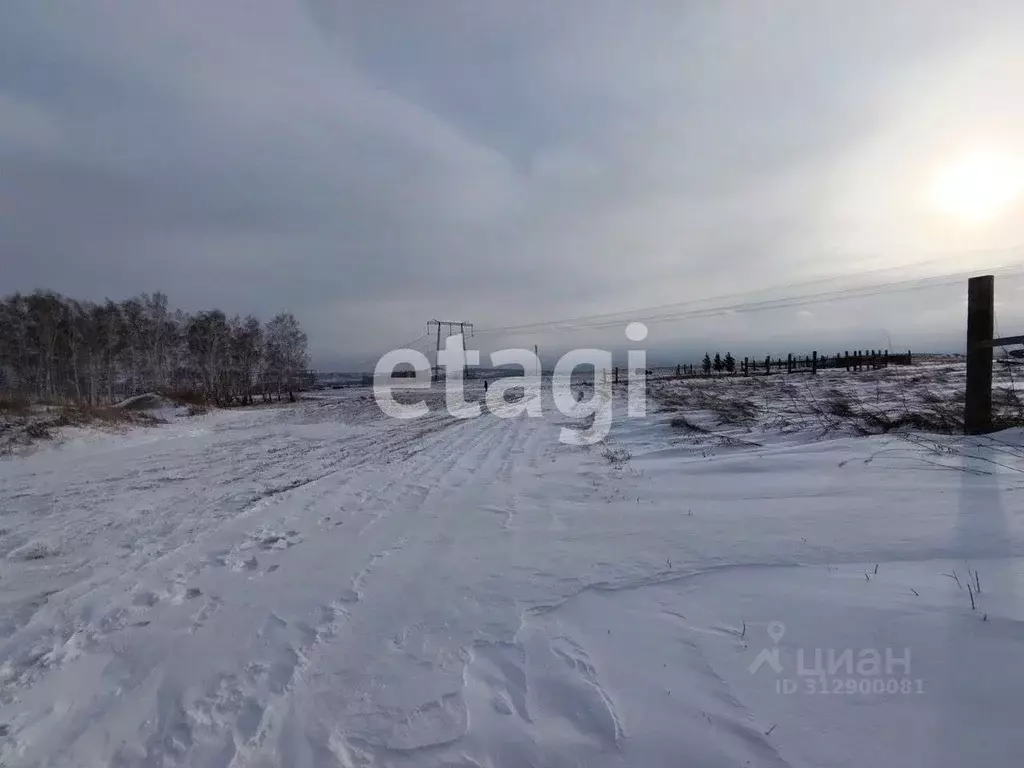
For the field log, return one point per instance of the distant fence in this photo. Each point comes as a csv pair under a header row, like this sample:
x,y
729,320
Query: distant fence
x,y
857,360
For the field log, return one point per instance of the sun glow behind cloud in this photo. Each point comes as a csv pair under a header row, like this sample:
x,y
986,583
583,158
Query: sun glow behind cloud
x,y
979,186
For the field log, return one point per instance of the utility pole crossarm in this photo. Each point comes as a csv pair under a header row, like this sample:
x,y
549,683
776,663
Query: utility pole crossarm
x,y
451,324
1006,341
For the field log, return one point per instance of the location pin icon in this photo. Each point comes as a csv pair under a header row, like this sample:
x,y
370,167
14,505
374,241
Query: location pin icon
x,y
776,629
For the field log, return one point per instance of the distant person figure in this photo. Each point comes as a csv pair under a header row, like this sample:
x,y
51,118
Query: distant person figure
x,y
485,385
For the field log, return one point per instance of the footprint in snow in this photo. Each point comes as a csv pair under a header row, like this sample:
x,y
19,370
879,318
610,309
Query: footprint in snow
x,y
146,599
280,541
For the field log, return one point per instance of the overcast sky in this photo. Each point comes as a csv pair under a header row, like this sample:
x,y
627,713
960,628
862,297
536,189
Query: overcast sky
x,y
371,165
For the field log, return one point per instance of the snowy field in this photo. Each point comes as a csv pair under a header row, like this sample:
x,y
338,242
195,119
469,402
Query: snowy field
x,y
316,585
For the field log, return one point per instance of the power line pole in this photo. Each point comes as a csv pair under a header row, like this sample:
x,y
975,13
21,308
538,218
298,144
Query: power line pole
x,y
465,364
450,326
437,368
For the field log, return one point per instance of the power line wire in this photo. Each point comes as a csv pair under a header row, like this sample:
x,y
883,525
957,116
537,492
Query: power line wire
x,y
657,314
951,256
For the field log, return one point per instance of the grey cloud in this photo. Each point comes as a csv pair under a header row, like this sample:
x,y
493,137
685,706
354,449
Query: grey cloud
x,y
370,165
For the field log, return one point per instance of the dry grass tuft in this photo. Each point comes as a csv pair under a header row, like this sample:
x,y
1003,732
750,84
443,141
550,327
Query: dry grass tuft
x,y
680,421
930,399
14,405
22,426
83,415
617,457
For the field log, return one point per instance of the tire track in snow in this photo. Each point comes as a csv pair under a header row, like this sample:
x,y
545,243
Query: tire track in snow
x,y
433,485
70,626
233,733
487,466
459,466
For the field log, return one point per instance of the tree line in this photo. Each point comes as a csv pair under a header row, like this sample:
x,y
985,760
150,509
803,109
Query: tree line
x,y
719,364
56,348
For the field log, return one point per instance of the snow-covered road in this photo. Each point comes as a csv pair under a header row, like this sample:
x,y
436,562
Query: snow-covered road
x,y
319,586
